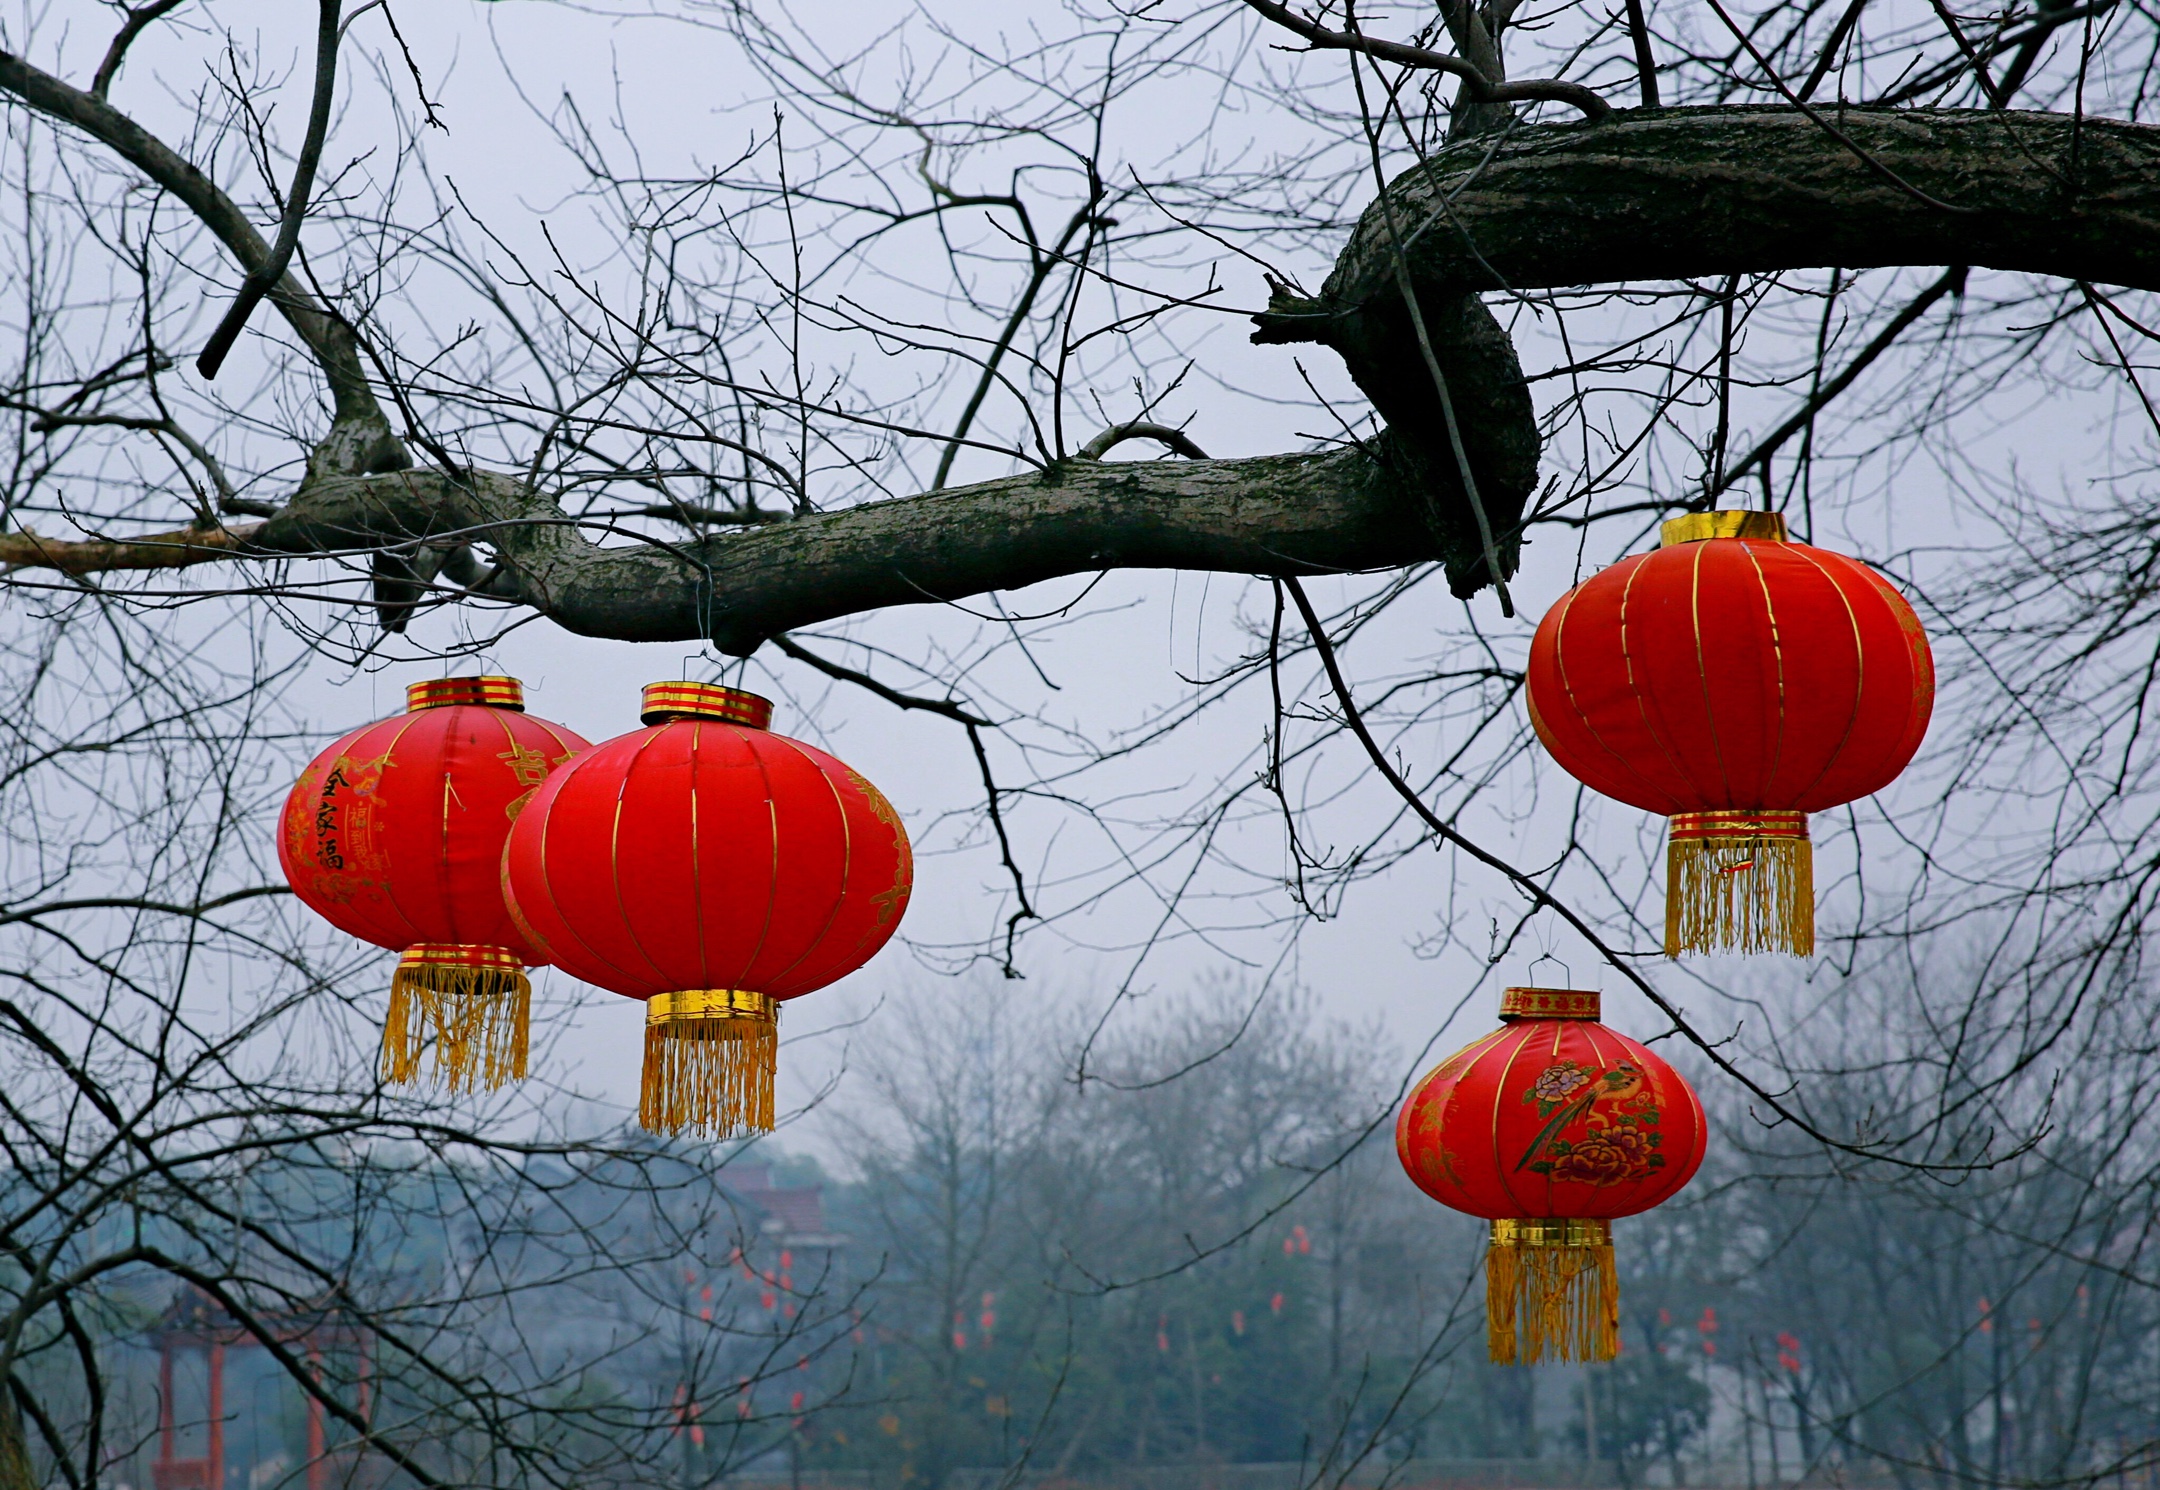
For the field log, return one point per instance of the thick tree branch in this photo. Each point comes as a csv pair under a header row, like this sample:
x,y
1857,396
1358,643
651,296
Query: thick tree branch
x,y
175,550
1284,514
1682,193
1648,196
361,439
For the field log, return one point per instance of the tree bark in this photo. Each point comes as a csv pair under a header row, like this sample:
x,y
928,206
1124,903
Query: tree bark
x,y
1662,194
1279,514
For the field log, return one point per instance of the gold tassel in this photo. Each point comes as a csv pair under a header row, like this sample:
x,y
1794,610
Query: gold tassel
x,y
473,1002
710,1057
1551,1292
1739,882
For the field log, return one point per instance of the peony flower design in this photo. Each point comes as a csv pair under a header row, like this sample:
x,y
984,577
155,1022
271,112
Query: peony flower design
x,y
1557,1082
1612,1156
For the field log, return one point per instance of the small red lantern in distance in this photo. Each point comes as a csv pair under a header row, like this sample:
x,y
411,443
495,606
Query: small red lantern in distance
x,y
1550,1128
713,869
395,835
1735,682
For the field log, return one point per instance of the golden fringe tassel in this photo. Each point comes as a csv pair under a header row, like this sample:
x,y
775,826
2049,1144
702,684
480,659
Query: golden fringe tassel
x,y
1551,1300
1739,894
710,1058
479,1019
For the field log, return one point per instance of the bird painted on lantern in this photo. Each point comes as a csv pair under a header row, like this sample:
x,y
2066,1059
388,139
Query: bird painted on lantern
x,y
1550,1128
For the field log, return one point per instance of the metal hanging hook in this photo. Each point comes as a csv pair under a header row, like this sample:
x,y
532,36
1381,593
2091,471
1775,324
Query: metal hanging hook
x,y
1565,971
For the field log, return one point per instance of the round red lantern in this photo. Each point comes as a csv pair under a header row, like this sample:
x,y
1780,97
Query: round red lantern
x,y
1551,1128
1733,681
395,835
713,869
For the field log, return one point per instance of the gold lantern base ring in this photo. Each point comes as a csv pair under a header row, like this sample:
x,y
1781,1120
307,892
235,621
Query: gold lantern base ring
x,y
1739,882
710,1056
1551,1292
472,1002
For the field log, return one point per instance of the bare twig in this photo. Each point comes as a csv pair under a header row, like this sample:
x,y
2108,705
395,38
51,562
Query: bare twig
x,y
1141,429
260,279
138,18
328,338
1645,61
1481,88
1952,282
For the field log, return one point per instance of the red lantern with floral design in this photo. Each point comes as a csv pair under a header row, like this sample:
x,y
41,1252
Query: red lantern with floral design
x,y
1551,1128
713,869
1735,682
395,835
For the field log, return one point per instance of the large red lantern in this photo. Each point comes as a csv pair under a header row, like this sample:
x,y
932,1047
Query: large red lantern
x,y
1551,1128
395,835
713,869
1734,682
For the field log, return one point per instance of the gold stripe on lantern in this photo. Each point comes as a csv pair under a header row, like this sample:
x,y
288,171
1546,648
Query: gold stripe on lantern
x,y
665,701
437,693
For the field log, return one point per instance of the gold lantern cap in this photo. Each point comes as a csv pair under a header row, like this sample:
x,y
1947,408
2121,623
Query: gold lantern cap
x,y
670,701
1550,1003
492,692
1694,527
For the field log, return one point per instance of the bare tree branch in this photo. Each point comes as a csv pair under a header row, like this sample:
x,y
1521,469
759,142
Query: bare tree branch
x,y
259,280
1480,87
360,438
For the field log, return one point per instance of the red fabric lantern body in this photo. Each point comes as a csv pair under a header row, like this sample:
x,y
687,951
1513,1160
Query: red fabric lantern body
x,y
1550,1128
1734,682
713,869
394,835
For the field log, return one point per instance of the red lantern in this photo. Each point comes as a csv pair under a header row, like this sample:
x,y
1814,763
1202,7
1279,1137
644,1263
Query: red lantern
x,y
395,835
1735,682
713,869
1550,1128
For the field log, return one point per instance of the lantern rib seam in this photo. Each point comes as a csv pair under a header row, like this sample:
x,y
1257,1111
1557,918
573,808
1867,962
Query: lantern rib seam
x,y
697,862
1651,727
772,882
1777,654
402,725
547,888
1469,1056
653,736
1852,721
1581,715
1702,669
1500,1167
847,856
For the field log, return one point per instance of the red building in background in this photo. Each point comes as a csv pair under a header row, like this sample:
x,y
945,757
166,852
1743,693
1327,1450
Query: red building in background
x,y
202,1348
